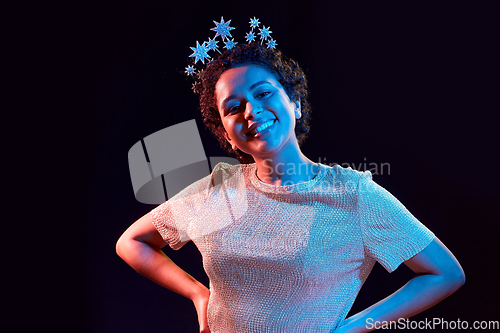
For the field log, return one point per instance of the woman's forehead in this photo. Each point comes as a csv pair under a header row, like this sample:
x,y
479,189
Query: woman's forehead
x,y
243,75
242,78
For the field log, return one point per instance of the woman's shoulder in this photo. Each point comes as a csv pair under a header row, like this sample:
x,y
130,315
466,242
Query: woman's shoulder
x,y
340,173
230,168
227,165
224,171
345,180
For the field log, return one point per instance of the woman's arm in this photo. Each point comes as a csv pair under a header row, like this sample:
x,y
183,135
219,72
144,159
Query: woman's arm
x,y
438,276
140,247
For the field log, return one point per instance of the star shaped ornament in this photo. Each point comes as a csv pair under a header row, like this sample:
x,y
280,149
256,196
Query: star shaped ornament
x,y
189,70
265,33
199,52
222,28
212,44
230,44
254,23
271,43
250,37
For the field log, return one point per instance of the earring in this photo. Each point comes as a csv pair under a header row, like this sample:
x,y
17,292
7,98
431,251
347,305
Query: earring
x,y
297,110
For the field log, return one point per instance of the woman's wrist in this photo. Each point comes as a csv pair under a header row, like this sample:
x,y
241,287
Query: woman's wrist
x,y
353,324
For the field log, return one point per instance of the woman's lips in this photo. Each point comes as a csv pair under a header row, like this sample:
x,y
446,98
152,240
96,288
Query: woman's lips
x,y
261,128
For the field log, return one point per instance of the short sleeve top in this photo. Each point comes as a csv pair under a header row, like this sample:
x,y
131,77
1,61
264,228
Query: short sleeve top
x,y
288,258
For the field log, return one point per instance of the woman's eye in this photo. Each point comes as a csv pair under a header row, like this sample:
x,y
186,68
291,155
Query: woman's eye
x,y
233,109
263,94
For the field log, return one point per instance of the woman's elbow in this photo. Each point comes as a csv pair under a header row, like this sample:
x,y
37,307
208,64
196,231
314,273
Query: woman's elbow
x,y
455,278
121,246
460,278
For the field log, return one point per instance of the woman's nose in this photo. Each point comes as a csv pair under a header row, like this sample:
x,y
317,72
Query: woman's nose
x,y
252,109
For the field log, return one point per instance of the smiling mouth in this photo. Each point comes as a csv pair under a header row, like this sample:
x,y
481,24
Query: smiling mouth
x,y
261,128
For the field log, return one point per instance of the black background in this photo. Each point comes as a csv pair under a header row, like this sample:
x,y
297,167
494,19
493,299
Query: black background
x,y
412,84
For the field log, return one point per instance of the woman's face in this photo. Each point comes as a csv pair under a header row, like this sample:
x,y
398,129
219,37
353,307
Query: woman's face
x,y
257,114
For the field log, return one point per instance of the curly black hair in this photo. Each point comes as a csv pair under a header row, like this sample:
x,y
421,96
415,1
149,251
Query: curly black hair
x,y
287,71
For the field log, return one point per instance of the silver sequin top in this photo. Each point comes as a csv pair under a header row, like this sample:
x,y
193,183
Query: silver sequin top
x,y
288,258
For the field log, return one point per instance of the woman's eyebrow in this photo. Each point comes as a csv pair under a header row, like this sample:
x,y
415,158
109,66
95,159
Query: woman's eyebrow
x,y
256,84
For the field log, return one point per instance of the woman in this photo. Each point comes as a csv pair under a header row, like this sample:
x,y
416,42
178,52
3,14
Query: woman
x,y
286,243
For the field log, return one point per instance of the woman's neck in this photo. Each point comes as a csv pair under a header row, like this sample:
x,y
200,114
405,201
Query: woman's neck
x,y
288,169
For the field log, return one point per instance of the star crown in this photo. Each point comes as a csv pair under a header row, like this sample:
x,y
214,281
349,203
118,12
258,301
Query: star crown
x,y
223,29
